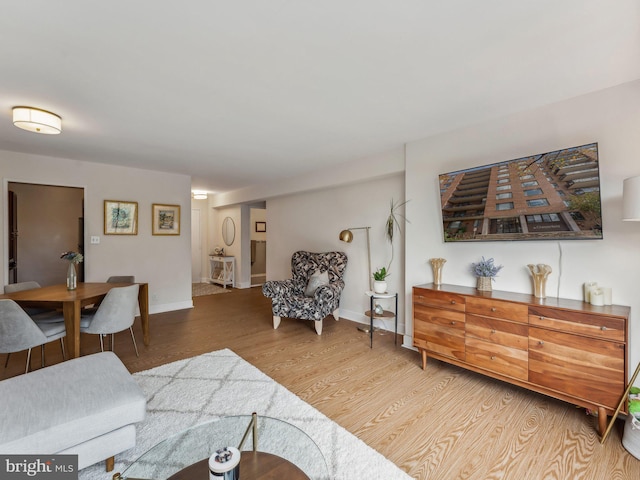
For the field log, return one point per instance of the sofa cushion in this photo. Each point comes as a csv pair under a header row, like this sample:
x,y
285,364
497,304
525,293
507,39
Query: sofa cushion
x,y
57,407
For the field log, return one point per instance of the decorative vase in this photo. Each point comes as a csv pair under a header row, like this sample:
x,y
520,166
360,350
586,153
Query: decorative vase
x,y
436,265
72,277
484,284
380,286
539,274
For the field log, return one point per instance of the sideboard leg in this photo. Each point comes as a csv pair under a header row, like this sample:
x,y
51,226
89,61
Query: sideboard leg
x,y
602,421
424,359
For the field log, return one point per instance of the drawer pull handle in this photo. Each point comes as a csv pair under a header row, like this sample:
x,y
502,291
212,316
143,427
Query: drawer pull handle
x,y
603,328
493,357
453,302
493,331
541,317
453,323
540,342
493,309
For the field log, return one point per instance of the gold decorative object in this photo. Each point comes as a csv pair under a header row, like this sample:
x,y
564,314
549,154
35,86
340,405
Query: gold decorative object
x,y
539,273
436,265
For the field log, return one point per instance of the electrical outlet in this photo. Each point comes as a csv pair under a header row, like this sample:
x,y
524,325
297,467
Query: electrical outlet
x,y
95,240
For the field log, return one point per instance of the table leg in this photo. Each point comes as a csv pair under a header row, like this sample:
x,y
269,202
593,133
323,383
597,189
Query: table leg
x,y
371,323
143,304
71,312
395,337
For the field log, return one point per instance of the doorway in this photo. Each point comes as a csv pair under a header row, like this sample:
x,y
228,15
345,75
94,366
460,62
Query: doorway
x,y
196,247
44,221
258,246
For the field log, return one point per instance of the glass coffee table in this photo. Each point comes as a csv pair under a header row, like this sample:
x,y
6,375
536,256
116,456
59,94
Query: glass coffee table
x,y
270,449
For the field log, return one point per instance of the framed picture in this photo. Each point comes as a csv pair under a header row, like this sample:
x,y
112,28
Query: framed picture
x,y
166,219
120,218
261,226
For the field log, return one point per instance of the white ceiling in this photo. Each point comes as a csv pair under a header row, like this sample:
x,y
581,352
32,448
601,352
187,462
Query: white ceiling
x,y
237,93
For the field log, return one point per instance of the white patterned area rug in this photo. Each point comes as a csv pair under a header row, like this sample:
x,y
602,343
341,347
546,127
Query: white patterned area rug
x,y
219,384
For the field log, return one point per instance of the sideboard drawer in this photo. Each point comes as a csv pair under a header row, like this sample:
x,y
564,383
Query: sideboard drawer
x,y
509,334
438,330
498,358
597,326
498,309
434,298
586,368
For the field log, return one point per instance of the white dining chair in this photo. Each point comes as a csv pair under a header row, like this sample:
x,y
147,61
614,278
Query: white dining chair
x,y
19,332
116,313
39,315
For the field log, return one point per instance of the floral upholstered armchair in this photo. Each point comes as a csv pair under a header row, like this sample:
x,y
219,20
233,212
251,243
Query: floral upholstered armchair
x,y
313,292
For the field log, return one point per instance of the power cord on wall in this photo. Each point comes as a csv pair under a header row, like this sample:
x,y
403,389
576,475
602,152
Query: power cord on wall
x,y
559,269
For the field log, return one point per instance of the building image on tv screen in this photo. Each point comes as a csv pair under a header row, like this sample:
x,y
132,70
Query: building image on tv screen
x,y
550,196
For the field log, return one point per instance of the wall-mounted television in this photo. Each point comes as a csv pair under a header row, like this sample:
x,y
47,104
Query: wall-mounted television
x,y
549,196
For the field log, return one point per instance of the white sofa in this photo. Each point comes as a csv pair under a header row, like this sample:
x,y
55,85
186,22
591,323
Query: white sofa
x,y
86,406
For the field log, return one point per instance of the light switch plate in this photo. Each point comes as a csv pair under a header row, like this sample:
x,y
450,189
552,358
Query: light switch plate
x,y
95,240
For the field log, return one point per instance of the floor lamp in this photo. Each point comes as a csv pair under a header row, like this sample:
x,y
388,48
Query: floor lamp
x,y
630,213
347,236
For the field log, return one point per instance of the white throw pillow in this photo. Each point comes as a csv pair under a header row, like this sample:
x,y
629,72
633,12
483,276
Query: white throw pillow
x,y
316,280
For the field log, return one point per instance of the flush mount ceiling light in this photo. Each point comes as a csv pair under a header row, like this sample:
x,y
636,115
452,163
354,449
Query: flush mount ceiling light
x,y
37,120
199,195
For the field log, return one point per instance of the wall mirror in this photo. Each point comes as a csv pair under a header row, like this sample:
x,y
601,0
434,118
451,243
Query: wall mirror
x,y
228,231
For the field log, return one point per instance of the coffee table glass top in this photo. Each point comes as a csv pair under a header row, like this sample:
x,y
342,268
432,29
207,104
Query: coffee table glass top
x,y
197,443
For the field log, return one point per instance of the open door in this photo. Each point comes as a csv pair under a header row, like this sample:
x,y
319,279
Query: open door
x,y
13,237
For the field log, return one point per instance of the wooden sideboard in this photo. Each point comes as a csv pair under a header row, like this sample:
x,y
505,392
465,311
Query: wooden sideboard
x,y
567,349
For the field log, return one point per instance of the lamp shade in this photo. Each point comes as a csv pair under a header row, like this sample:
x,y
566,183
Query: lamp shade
x,y
631,199
36,120
346,236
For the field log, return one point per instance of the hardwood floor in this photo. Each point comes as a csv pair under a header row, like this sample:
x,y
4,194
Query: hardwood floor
x,y
442,423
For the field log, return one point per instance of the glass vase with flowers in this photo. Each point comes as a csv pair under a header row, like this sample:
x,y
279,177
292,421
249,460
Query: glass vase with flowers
x,y
72,275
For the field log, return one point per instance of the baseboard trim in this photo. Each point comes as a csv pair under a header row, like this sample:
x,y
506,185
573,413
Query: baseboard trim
x,y
387,324
170,307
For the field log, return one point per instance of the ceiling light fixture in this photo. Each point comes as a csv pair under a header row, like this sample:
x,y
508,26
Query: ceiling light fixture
x,y
37,120
198,195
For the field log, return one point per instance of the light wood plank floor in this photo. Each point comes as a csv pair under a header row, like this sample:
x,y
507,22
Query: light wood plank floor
x,y
442,423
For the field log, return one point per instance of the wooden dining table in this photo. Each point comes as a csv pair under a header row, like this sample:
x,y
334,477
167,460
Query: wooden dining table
x,y
72,301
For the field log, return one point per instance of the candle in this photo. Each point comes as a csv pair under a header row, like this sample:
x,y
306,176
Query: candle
x,y
587,290
606,293
597,297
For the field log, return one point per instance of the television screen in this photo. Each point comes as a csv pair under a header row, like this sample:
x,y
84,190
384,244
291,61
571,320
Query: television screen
x,y
550,196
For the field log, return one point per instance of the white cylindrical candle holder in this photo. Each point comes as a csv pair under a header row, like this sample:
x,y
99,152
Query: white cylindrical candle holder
x,y
587,290
596,297
607,294
225,464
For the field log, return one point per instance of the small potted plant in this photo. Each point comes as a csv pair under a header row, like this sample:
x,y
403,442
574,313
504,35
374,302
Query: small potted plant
x,y
380,283
485,270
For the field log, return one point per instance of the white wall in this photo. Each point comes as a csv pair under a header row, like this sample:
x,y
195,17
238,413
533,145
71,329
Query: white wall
x,y
610,117
258,215
312,221
162,261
